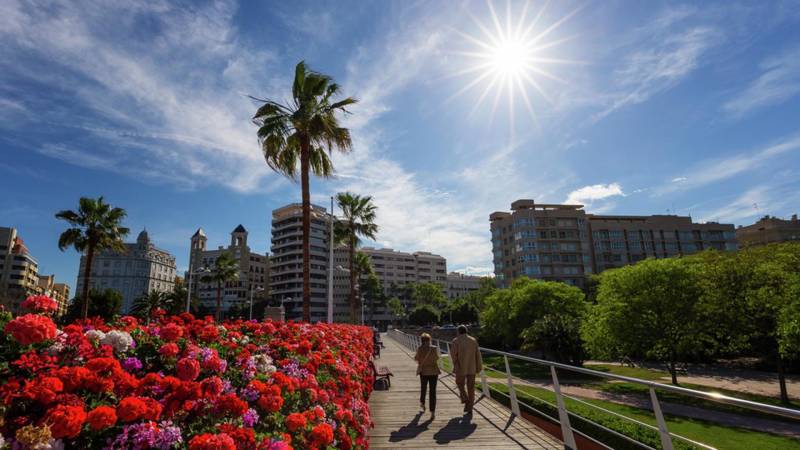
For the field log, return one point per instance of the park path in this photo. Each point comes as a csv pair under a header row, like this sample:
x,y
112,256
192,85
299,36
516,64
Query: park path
x,y
399,424
778,427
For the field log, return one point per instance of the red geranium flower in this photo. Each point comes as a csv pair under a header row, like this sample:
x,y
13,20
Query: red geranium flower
x,y
169,350
295,421
65,421
40,304
101,418
188,369
322,434
231,404
212,442
131,409
171,332
31,329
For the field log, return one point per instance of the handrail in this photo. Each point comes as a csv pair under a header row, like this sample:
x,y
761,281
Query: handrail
x,y
413,341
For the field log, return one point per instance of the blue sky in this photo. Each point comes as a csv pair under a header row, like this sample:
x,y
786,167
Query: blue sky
x,y
641,108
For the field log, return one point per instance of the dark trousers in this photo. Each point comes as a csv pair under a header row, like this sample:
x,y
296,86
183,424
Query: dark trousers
x,y
424,382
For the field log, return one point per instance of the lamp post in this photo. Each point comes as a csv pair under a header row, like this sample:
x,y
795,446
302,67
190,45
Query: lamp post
x,y
261,289
189,291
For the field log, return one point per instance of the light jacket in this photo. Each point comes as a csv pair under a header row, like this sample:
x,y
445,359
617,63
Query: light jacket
x,y
427,359
466,355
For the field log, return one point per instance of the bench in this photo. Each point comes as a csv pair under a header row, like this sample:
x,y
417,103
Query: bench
x,y
382,373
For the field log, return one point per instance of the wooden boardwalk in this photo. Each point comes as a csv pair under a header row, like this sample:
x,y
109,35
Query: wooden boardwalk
x,y
400,424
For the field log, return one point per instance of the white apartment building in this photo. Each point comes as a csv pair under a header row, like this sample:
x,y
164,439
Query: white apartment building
x,y
459,285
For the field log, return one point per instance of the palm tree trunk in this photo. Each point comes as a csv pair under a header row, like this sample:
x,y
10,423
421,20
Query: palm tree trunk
x,y
353,313
304,173
87,273
219,300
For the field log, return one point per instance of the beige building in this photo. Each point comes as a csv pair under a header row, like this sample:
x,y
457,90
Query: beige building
x,y
286,260
564,243
19,271
57,291
138,270
254,271
769,230
459,285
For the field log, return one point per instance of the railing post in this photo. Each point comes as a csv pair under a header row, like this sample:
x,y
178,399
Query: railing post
x,y
666,439
485,385
511,391
563,416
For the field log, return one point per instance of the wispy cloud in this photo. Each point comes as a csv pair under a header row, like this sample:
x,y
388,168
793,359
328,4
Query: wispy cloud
x,y
755,202
588,195
717,169
778,81
154,92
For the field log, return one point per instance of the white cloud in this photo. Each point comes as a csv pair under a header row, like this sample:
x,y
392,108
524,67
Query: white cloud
x,y
754,203
779,81
482,271
589,194
152,103
718,169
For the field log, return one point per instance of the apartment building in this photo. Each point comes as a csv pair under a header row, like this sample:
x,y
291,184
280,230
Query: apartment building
x,y
19,271
254,271
769,230
286,260
545,241
622,240
564,243
459,285
57,291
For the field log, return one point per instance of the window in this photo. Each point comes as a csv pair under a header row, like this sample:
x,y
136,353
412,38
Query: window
x,y
617,245
543,234
531,270
570,247
545,257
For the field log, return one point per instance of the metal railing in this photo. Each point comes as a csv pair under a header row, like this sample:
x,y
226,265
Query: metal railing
x,y
568,432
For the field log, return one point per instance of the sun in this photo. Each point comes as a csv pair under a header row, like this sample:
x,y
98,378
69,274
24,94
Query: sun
x,y
512,57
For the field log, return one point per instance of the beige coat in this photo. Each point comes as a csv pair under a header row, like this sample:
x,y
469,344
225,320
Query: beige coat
x,y
466,355
427,359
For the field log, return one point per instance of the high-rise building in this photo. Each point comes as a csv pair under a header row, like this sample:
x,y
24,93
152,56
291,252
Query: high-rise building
x,y
57,291
768,230
140,269
253,276
459,285
19,271
286,261
564,243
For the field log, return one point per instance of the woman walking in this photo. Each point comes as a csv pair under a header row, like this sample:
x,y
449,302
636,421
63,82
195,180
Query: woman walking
x,y
427,359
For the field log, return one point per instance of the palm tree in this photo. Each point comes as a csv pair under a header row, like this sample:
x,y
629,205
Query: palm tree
x,y
95,227
358,220
302,131
144,306
225,269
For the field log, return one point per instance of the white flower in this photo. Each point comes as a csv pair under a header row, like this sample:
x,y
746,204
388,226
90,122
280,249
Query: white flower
x,y
2,441
95,335
120,341
264,364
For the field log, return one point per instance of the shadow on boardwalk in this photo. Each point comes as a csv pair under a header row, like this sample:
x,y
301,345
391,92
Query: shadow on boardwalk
x,y
400,424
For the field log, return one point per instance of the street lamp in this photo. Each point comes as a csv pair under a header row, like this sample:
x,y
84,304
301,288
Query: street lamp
x,y
200,270
261,289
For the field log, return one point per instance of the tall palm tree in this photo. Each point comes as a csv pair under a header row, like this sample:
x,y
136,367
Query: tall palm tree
x,y
95,227
144,306
358,220
225,269
303,130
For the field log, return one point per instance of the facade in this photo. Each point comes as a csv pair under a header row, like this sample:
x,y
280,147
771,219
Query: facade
x,y
459,285
549,242
19,271
622,240
140,269
564,243
286,260
769,230
254,271
57,291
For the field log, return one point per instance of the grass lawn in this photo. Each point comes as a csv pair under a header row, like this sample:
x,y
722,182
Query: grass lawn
x,y
708,433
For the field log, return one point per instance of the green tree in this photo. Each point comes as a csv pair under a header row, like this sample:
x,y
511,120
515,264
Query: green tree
x,y
424,315
225,269
558,336
302,131
144,306
396,307
649,310
358,221
462,310
177,301
429,294
105,304
372,291
95,227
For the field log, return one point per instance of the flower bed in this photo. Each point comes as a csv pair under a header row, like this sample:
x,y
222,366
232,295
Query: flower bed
x,y
180,382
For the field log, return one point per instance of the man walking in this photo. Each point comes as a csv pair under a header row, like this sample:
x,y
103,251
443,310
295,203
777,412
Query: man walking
x,y
466,357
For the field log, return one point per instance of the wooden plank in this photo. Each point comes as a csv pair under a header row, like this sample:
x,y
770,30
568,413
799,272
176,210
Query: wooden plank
x,y
400,424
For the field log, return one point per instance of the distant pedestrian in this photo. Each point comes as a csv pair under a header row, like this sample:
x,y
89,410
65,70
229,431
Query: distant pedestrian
x,y
466,357
427,359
